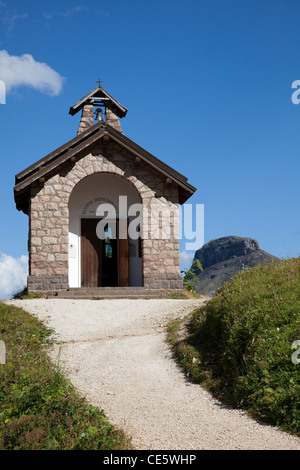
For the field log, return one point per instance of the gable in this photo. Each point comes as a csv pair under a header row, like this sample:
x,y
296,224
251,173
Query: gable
x,y
101,98
78,147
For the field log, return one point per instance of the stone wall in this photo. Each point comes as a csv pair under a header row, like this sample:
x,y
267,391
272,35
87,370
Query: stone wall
x,y
87,118
49,219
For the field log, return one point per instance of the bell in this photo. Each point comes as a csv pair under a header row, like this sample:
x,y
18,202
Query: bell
x,y
98,113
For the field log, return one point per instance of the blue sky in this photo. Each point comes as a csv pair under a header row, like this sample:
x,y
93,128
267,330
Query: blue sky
x,y
208,87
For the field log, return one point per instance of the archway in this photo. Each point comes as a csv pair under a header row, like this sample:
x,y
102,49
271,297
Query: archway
x,y
99,255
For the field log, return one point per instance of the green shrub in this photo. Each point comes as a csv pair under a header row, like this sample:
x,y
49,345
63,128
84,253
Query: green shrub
x,y
39,408
189,276
241,343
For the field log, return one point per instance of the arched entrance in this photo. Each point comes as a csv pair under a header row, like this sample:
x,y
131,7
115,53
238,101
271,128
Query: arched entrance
x,y
100,251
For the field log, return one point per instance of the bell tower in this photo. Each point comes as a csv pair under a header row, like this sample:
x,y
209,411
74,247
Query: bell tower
x,y
98,105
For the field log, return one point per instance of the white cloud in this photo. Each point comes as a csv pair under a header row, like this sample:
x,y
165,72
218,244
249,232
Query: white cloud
x,y
24,70
13,275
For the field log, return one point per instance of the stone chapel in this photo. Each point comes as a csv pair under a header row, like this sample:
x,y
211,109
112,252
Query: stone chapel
x,y
103,212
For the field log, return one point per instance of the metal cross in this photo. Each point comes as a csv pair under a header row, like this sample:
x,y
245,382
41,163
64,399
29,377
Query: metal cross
x,y
99,82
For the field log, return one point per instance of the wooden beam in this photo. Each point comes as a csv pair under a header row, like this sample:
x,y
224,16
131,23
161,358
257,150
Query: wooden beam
x,y
73,161
138,161
41,181
168,181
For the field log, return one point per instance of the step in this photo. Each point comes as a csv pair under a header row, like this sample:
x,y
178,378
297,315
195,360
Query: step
x,y
114,293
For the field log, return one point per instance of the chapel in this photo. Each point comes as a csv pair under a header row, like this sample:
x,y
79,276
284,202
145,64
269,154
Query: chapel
x,y
103,211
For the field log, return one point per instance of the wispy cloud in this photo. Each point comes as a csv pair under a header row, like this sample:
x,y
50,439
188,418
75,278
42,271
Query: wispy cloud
x,y
13,275
25,70
11,20
64,13
186,258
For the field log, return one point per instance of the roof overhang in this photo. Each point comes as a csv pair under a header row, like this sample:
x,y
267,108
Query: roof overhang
x,y
99,96
76,148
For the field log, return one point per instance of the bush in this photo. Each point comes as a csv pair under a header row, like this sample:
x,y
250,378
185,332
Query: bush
x,y
240,343
39,407
189,276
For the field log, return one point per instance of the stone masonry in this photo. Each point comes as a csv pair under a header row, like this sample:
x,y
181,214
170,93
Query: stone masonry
x,y
87,118
49,219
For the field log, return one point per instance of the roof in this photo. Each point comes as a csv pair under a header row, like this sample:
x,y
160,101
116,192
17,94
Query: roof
x,y
103,97
75,147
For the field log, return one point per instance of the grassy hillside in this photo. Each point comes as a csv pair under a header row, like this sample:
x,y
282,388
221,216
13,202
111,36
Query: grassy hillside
x,y
239,344
39,408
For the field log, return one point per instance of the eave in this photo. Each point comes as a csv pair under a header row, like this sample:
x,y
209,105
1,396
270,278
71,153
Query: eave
x,y
37,172
99,94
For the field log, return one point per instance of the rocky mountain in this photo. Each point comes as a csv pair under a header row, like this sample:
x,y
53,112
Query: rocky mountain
x,y
224,257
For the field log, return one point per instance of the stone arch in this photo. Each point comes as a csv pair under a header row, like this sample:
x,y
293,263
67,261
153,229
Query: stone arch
x,y
87,195
92,164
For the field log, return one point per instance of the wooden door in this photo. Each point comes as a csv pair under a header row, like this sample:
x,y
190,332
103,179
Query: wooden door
x,y
124,260
91,254
96,268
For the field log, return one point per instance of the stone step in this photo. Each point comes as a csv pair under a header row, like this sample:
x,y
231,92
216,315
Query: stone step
x,y
111,296
115,293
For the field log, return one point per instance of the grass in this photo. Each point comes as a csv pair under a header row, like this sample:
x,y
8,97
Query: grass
x,y
239,344
24,295
39,408
186,294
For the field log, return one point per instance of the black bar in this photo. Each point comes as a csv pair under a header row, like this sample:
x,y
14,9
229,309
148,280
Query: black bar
x,y
138,458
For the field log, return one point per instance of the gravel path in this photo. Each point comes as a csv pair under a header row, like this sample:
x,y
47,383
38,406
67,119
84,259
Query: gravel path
x,y
114,352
